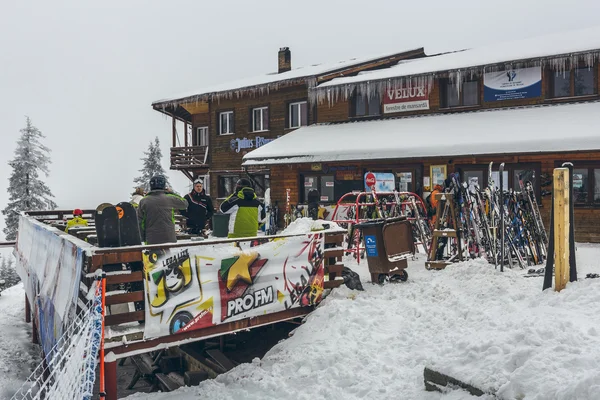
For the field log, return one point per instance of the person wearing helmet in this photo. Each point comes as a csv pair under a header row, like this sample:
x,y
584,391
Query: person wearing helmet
x,y
200,208
243,205
77,220
156,212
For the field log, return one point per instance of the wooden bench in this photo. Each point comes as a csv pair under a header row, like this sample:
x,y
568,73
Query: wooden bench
x,y
144,367
168,383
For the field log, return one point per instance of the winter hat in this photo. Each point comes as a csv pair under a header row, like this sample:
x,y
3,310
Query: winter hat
x,y
243,183
77,212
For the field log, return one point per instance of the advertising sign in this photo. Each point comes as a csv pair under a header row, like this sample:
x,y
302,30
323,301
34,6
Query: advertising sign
x,y
383,181
406,99
200,286
371,245
239,144
514,84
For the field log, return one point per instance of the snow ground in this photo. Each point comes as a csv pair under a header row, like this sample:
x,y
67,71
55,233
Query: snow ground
x,y
18,357
494,330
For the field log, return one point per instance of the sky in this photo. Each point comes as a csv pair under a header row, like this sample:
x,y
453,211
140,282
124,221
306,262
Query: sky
x,y
86,73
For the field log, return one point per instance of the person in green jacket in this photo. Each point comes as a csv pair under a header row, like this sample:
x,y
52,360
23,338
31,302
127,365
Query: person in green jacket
x,y
77,221
156,212
243,205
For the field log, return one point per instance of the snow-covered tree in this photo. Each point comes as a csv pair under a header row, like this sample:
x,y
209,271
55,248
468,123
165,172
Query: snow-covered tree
x,y
152,166
8,272
26,190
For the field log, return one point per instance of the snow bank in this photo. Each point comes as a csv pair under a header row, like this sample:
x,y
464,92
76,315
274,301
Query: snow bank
x,y
307,225
18,357
494,330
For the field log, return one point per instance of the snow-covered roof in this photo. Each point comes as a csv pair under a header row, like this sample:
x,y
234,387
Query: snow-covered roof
x,y
560,47
272,80
523,130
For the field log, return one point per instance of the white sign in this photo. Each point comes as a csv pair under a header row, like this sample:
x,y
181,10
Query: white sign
x,y
513,84
405,99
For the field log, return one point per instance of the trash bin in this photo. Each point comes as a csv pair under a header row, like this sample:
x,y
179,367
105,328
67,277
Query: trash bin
x,y
220,224
388,242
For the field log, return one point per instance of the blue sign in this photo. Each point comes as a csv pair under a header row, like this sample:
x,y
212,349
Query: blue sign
x,y
371,245
512,84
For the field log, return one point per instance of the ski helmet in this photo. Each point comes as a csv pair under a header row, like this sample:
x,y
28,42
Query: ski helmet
x,y
158,182
199,181
77,212
241,183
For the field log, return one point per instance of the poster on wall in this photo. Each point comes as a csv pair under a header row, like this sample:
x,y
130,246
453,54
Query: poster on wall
x,y
514,84
438,175
202,286
405,99
383,181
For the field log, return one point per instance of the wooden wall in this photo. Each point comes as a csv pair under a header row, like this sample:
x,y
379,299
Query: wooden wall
x,y
587,218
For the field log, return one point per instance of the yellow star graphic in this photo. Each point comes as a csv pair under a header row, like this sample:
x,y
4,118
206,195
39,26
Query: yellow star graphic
x,y
241,269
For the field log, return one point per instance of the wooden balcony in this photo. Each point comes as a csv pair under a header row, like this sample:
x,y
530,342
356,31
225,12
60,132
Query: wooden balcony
x,y
189,157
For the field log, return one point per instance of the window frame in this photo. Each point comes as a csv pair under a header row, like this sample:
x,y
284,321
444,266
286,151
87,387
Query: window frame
x,y
265,179
196,139
571,74
590,166
253,121
368,105
510,170
289,114
230,124
443,93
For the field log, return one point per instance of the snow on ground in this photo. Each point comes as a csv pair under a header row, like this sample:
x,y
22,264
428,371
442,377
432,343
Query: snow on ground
x,y
18,356
494,330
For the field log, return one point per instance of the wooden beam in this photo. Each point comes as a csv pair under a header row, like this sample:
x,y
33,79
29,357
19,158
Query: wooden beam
x,y
200,107
110,374
185,134
124,278
561,228
122,318
124,298
174,132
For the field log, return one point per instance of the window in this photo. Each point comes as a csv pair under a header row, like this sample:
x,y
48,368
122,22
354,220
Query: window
x,y
325,184
451,97
227,184
576,82
297,114
201,137
226,123
260,119
586,185
364,105
479,174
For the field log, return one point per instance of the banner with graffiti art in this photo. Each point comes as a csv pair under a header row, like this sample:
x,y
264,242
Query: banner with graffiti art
x,y
200,286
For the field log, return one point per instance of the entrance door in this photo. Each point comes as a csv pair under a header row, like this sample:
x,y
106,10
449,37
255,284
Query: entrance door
x,y
201,137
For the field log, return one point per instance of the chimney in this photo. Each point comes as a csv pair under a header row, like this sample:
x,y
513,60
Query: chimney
x,y
285,59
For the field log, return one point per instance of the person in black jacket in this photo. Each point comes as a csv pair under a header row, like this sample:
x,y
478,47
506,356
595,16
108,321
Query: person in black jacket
x,y
200,208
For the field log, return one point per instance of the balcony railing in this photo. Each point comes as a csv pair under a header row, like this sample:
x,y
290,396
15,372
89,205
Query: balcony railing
x,y
189,157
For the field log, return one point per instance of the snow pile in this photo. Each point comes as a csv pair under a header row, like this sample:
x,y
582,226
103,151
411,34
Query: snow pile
x,y
495,330
307,225
18,357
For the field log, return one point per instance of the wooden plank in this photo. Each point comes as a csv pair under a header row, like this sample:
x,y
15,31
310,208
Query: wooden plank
x,y
199,334
117,319
336,239
336,268
124,298
561,228
333,284
436,381
124,278
336,252
220,359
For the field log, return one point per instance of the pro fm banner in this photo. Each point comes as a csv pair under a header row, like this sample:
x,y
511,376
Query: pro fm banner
x,y
513,84
201,286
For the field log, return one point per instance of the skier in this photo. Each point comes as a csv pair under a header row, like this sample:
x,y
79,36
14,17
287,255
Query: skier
x,y
243,205
137,196
77,221
432,202
313,204
156,210
200,208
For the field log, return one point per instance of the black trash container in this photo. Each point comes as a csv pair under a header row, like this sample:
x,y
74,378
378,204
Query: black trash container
x,y
220,224
388,242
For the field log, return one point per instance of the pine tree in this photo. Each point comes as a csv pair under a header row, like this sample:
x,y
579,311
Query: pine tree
x,y
27,192
8,273
152,166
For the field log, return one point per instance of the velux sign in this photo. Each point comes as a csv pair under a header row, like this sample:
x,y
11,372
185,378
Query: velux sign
x,y
405,99
238,145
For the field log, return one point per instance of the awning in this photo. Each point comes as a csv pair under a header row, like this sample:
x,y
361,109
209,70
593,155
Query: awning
x,y
548,128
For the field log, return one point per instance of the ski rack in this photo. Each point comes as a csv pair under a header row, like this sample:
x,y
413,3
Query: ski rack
x,y
362,202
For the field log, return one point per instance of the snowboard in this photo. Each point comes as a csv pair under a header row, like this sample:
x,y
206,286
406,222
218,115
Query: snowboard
x,y
107,225
268,211
129,229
